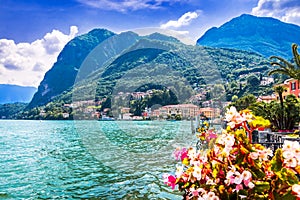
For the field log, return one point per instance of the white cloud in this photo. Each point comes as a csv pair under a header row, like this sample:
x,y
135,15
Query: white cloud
x,y
184,20
285,10
26,63
125,5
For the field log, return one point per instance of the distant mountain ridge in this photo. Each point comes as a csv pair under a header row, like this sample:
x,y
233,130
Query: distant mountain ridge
x,y
264,35
15,93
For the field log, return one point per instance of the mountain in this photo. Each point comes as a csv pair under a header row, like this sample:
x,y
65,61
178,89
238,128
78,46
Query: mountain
x,y
264,35
171,64
63,73
102,65
100,46
15,93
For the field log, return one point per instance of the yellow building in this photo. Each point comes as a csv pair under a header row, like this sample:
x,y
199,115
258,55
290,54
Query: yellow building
x,y
210,112
185,110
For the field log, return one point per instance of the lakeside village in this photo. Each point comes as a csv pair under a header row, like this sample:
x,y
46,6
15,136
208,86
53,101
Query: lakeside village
x,y
210,109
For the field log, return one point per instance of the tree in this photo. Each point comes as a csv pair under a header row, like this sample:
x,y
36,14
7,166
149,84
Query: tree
x,y
292,112
234,98
279,90
253,81
244,102
281,119
290,69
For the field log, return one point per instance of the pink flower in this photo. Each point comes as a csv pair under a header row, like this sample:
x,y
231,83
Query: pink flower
x,y
239,187
195,193
177,154
171,181
246,182
183,154
180,154
211,135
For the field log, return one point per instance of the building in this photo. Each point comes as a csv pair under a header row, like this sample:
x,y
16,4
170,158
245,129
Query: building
x,y
126,116
125,110
267,99
185,110
210,112
291,87
66,115
266,81
294,87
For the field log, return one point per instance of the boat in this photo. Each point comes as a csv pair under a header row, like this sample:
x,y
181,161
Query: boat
x,y
106,118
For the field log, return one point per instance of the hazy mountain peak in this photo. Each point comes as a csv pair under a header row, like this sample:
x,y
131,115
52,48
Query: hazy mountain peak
x,y
264,35
162,37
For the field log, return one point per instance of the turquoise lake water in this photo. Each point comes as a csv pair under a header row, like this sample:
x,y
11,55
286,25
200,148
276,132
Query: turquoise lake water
x,y
89,159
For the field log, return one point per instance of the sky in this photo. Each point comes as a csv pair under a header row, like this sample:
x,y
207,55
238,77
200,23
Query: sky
x,y
33,32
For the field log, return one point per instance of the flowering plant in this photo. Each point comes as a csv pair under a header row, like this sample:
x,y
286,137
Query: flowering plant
x,y
234,168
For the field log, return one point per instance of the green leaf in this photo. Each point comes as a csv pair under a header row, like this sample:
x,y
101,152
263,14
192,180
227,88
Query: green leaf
x,y
288,196
277,161
258,173
261,187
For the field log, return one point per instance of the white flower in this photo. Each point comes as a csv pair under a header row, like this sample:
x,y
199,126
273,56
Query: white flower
x,y
231,113
297,153
269,152
229,140
291,162
214,198
233,117
221,139
253,155
179,171
210,194
203,158
238,178
246,175
197,172
192,153
290,145
231,124
251,185
210,182
226,151
296,189
288,154
247,116
195,162
263,154
231,171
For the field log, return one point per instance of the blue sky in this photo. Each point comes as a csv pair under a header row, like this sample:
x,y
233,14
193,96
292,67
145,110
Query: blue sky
x,y
33,32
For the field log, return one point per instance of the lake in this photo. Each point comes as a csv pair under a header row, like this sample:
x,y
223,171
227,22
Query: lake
x,y
89,159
